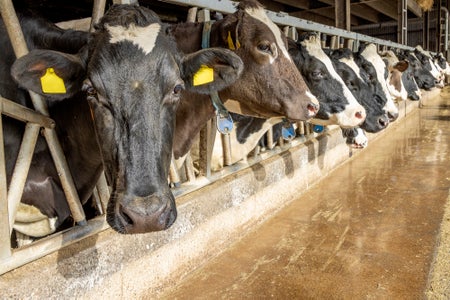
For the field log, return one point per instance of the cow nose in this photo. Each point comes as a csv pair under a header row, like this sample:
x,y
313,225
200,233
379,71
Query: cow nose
x,y
360,115
392,116
147,214
414,96
383,121
312,109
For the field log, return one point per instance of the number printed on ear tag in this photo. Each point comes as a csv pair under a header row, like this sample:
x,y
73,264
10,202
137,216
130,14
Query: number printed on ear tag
x,y
204,75
52,83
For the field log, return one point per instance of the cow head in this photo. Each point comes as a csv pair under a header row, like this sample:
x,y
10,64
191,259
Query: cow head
x,y
337,104
376,74
427,63
270,84
132,76
347,69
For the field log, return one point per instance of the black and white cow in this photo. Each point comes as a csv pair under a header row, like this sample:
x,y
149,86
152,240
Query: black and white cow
x,y
337,104
427,62
442,64
130,76
369,60
422,76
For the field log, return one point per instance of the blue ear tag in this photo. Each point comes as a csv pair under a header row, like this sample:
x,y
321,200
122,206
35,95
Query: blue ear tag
x,y
287,131
224,123
318,128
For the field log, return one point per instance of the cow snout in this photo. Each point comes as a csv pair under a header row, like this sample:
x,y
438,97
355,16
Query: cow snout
x,y
414,96
313,108
383,121
392,116
145,214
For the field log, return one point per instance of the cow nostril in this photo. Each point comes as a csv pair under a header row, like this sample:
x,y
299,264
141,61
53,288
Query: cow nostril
x,y
359,115
125,217
312,108
383,122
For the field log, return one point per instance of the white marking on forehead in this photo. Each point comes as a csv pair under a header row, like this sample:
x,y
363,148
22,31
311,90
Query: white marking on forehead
x,y
261,15
143,37
314,49
352,64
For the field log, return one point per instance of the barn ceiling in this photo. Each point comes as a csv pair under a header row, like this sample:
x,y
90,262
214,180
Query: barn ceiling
x,y
363,12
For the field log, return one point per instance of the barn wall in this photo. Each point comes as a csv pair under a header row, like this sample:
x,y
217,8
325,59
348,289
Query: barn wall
x,y
388,31
210,219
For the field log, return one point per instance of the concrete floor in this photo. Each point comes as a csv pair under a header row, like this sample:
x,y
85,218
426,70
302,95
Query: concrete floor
x,y
367,231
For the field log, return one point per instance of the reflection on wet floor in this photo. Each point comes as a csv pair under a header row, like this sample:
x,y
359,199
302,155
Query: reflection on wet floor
x,y
367,231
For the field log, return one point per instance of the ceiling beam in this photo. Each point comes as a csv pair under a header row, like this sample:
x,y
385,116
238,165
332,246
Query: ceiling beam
x,y
415,8
364,12
384,7
314,17
302,4
327,12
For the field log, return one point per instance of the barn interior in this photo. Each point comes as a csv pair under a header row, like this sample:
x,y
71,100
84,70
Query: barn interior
x,y
383,19
410,22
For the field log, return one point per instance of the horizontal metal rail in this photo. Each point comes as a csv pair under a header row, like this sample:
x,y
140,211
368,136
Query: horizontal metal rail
x,y
282,18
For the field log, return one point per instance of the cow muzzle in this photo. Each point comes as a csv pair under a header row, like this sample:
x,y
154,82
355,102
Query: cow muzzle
x,y
144,214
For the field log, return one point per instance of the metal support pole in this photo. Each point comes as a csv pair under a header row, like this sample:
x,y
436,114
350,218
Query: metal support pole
x,y
226,148
21,169
97,12
5,242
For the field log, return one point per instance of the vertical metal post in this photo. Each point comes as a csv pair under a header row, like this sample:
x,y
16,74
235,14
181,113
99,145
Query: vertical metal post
x,y
402,22
21,168
5,241
97,12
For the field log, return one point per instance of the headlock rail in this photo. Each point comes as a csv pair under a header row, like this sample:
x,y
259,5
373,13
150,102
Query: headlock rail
x,y
183,183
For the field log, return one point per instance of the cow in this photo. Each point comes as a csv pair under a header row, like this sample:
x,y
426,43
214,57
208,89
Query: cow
x,y
347,69
337,104
411,89
369,61
270,85
427,62
422,76
114,106
442,65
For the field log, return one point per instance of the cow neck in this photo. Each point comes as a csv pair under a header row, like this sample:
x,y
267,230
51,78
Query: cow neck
x,y
224,122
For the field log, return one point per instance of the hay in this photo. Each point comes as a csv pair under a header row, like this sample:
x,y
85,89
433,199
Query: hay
x,y
425,5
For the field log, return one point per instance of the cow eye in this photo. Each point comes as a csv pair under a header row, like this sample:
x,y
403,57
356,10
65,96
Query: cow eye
x,y
317,74
264,47
177,89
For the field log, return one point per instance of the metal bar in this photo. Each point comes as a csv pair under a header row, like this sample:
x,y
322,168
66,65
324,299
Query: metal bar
x,y
64,175
5,241
103,191
51,244
18,41
283,19
226,148
25,114
189,166
97,12
173,173
20,173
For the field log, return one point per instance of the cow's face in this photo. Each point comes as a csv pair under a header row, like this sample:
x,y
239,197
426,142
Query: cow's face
x,y
271,85
337,104
410,84
376,118
133,80
423,77
370,54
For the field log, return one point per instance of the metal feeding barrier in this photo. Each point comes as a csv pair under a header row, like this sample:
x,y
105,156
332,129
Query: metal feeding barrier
x,y
38,120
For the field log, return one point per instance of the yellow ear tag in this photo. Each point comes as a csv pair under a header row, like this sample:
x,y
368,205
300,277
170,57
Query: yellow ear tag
x,y
204,75
52,83
230,42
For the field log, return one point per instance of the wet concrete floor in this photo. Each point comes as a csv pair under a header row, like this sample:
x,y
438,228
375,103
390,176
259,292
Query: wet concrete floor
x,y
366,231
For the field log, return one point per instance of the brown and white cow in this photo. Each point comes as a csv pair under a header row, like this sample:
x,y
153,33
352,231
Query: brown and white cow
x,y
270,85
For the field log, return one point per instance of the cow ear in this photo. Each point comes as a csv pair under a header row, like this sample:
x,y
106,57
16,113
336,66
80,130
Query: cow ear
x,y
211,69
52,74
401,65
